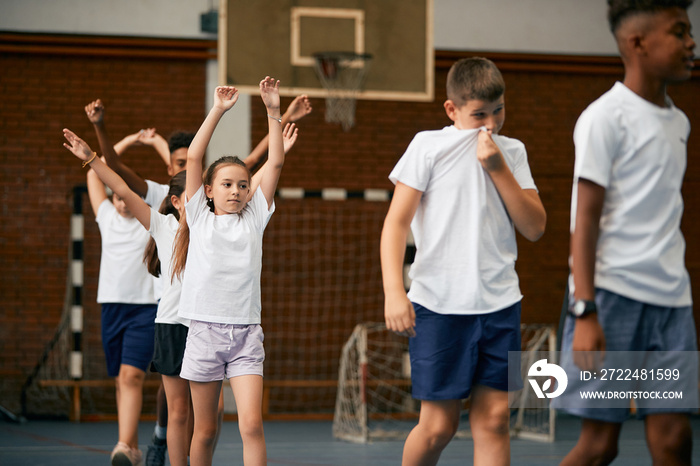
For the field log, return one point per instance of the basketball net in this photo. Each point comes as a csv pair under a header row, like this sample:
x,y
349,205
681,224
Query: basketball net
x,y
342,74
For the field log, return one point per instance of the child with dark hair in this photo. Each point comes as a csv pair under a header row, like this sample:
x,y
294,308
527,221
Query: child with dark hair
x,y
629,285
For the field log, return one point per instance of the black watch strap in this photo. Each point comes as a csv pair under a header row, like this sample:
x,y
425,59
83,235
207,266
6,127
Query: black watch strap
x,y
582,307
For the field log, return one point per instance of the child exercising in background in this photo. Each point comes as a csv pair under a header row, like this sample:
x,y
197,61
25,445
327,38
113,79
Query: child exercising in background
x,y
461,190
125,290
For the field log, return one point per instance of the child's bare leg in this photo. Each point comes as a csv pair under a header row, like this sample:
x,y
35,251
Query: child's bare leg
x,y
177,391
220,417
437,424
248,391
205,398
161,407
597,444
670,439
130,398
190,429
489,420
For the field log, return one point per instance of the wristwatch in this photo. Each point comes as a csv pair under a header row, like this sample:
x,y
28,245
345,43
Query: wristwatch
x,y
582,307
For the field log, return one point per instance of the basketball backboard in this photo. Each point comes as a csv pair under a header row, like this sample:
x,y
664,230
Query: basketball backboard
x,y
279,38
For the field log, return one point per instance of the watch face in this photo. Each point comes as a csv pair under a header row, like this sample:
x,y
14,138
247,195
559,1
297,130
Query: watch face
x,y
579,307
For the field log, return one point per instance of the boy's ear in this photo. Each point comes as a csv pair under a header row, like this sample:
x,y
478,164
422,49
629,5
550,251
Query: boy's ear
x,y
170,171
631,38
633,42
450,109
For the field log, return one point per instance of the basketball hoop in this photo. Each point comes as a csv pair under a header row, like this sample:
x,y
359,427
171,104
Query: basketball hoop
x,y
342,74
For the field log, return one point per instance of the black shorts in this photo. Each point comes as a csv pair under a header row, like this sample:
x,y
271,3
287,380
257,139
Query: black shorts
x,y
170,342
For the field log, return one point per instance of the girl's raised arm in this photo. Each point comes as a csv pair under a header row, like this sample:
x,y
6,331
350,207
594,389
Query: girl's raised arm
x,y
225,98
269,91
95,112
109,177
96,191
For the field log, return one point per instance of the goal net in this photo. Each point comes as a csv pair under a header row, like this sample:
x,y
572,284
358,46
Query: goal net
x,y
374,387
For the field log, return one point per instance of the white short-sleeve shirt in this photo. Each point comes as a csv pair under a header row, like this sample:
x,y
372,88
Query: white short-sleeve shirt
x,y
154,197
123,274
465,240
163,230
155,193
637,152
221,282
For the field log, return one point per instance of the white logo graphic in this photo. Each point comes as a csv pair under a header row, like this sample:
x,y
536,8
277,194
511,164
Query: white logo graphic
x,y
543,369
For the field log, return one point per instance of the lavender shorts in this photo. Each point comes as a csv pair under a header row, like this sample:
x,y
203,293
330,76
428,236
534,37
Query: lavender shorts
x,y
217,351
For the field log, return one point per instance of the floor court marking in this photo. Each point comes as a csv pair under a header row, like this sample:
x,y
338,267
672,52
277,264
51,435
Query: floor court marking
x,y
42,438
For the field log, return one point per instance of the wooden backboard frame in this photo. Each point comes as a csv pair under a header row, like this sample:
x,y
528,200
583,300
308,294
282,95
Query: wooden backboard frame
x,y
296,58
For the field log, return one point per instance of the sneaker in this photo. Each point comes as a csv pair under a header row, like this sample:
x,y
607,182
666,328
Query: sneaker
x,y
155,455
124,455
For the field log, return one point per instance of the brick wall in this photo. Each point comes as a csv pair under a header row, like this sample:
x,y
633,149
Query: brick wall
x,y
43,88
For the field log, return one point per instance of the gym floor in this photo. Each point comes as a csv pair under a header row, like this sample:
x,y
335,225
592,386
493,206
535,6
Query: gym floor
x,y
293,443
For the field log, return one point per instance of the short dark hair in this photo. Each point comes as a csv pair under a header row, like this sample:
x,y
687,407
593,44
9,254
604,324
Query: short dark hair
x,y
619,10
474,78
179,139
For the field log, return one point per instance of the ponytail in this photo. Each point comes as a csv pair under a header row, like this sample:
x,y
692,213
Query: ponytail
x,y
150,255
180,248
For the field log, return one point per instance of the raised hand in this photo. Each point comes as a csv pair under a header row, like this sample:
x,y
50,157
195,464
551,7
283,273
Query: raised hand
x,y
225,97
147,136
77,146
95,112
289,136
298,109
270,93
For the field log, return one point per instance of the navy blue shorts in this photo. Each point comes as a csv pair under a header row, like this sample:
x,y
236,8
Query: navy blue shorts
x,y
631,326
452,353
127,335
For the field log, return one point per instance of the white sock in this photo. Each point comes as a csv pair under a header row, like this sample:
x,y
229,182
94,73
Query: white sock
x,y
161,432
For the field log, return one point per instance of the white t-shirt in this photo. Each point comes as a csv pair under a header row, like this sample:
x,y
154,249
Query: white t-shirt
x,y
163,229
123,274
465,240
154,197
637,152
221,282
156,193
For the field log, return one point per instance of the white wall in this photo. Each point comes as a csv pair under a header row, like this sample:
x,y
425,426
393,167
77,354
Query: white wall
x,y
539,26
161,18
